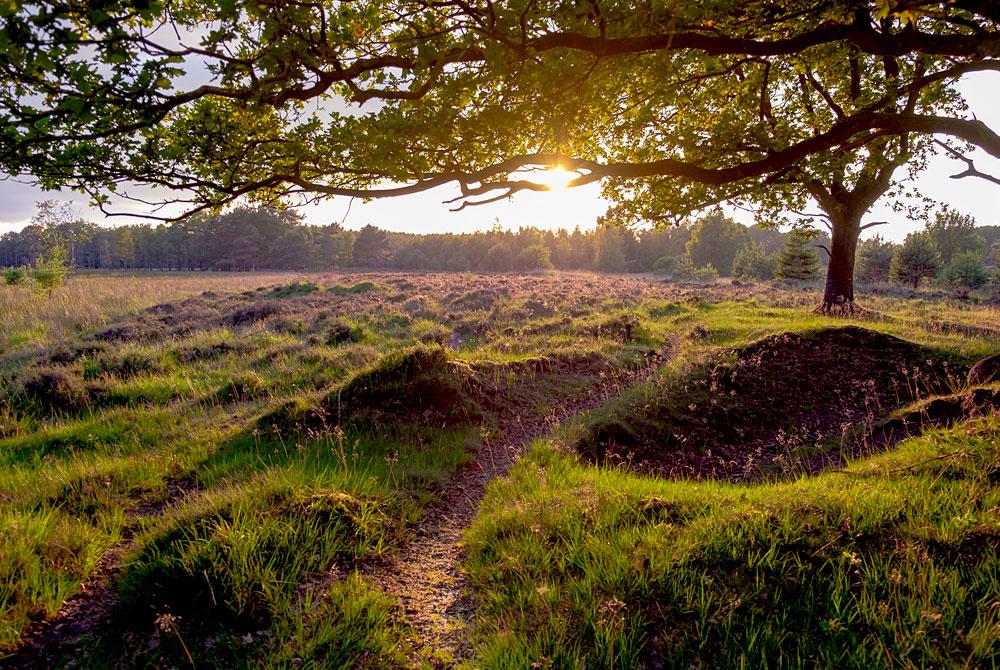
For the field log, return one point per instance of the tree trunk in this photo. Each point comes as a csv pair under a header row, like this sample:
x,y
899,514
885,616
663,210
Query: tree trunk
x,y
838,297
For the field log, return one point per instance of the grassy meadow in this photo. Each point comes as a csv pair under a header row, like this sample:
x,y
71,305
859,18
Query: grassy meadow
x,y
92,300
199,470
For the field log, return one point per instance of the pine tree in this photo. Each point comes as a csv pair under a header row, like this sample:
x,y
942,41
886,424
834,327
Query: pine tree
x,y
966,270
798,260
14,276
918,258
371,247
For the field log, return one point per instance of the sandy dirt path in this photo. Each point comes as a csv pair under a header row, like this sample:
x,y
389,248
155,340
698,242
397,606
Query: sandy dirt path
x,y
426,576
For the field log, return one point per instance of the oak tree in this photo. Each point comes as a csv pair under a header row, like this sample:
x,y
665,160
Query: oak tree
x,y
673,107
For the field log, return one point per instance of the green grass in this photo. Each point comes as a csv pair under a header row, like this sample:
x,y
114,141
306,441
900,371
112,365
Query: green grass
x,y
45,555
233,567
360,287
256,565
270,513
891,563
730,323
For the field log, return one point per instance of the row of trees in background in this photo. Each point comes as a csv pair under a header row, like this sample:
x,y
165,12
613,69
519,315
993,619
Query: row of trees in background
x,y
239,240
950,247
268,239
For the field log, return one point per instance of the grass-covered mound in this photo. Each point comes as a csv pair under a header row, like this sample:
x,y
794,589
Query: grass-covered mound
x,y
226,583
934,411
777,404
416,385
254,571
427,385
891,562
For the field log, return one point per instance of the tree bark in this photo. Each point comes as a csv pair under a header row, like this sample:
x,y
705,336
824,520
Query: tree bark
x,y
838,296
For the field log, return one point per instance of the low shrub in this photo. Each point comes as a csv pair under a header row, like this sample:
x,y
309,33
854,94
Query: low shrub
x,y
57,388
254,313
340,333
15,276
127,364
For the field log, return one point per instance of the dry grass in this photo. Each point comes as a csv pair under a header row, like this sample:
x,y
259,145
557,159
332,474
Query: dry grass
x,y
90,301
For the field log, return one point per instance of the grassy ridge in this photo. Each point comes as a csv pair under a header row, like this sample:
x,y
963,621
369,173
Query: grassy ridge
x,y
892,562
240,574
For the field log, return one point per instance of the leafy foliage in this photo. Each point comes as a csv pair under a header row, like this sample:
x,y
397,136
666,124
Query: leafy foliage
x,y
609,249
686,270
439,80
954,233
874,259
240,239
915,260
534,257
50,270
665,265
14,276
672,109
966,270
752,262
371,247
715,240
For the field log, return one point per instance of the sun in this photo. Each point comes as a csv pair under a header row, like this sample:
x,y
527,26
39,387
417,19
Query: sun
x,y
554,178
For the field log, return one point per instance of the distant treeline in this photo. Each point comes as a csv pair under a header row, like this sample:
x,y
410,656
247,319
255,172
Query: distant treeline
x,y
244,239
267,239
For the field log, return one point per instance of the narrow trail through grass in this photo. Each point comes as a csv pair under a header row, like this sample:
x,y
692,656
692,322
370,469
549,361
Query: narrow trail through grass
x,y
426,576
81,614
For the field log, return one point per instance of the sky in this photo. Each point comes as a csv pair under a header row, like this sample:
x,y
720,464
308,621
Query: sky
x,y
567,208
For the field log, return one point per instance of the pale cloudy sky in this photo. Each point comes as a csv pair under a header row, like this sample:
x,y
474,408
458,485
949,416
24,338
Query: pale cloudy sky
x,y
426,212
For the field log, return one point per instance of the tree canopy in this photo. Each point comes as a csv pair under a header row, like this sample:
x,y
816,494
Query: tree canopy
x,y
715,240
672,106
954,233
230,98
